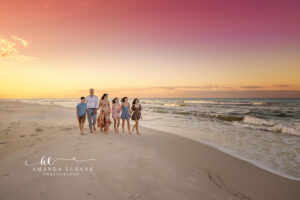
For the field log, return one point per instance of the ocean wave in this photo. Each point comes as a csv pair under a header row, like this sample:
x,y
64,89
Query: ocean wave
x,y
228,118
217,102
200,102
266,125
158,110
257,121
152,102
283,129
259,103
208,102
242,121
175,104
241,103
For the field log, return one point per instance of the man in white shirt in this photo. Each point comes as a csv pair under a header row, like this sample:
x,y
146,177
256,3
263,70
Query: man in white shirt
x,y
92,107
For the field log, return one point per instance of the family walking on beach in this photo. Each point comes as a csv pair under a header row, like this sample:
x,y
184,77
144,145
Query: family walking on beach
x,y
90,105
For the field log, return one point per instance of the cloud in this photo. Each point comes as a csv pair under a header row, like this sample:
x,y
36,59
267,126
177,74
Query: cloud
x,y
25,43
204,87
255,87
282,86
252,87
160,88
9,49
191,89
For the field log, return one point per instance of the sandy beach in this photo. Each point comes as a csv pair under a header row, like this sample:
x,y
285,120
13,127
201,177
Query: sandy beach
x,y
156,165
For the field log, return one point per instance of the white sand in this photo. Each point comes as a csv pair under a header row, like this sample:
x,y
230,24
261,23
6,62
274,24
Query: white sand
x,y
153,166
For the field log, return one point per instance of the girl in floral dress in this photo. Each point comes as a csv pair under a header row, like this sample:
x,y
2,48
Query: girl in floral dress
x,y
104,106
116,109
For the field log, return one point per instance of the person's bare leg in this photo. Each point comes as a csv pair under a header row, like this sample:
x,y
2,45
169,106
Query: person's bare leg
x,y
133,128
128,125
80,128
123,123
137,127
118,124
101,122
115,125
106,124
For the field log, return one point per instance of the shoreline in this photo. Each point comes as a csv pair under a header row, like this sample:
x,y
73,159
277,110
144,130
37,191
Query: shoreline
x,y
170,167
226,151
233,154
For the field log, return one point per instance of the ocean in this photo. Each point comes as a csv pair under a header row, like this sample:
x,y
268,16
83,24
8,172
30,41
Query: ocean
x,y
264,132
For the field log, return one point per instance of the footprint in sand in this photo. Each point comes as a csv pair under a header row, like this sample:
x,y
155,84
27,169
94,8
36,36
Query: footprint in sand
x,y
88,193
38,129
33,134
2,142
15,124
65,129
22,136
6,175
216,179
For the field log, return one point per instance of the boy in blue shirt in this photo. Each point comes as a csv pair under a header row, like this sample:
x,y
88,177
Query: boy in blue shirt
x,y
81,113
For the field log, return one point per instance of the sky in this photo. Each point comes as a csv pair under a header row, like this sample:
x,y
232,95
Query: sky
x,y
150,48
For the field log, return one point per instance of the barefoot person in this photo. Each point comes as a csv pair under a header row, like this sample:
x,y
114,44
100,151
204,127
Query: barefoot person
x,y
125,107
137,114
92,105
81,113
104,106
116,109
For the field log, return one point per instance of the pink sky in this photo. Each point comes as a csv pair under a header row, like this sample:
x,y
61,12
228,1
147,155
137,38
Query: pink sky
x,y
177,39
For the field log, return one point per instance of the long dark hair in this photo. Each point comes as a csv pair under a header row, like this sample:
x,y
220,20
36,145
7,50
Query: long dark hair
x,y
123,99
114,100
134,101
104,95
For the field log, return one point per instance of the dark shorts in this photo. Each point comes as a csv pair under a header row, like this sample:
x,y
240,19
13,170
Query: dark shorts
x,y
81,119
